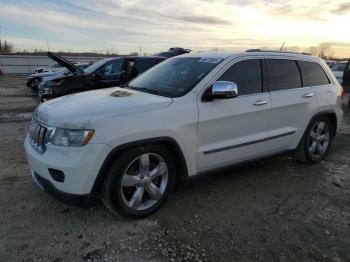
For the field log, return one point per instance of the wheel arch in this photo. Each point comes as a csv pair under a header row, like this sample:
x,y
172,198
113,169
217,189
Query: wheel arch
x,y
331,115
168,142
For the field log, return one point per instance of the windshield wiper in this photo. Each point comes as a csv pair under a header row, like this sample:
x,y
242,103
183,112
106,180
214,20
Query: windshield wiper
x,y
144,89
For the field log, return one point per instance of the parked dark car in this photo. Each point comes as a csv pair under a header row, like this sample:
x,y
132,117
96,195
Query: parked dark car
x,y
104,73
33,80
346,79
174,51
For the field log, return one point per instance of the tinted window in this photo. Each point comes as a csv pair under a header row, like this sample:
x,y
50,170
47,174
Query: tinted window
x,y
284,74
247,75
313,74
141,65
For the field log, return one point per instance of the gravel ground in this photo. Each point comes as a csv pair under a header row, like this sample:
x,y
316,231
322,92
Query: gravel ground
x,y
271,210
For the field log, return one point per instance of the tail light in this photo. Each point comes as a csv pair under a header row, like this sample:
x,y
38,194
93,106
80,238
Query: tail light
x,y
342,92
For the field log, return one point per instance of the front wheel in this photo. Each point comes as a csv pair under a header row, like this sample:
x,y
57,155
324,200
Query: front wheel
x,y
316,142
140,181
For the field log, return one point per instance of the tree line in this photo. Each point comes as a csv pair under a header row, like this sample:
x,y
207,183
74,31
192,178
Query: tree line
x,y
323,50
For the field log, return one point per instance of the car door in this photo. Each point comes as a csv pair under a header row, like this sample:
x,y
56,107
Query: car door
x,y
111,74
236,129
292,105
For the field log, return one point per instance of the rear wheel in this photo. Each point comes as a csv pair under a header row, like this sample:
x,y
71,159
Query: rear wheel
x,y
140,181
316,142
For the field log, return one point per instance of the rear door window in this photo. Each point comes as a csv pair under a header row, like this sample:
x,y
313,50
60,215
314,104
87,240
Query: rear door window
x,y
312,74
247,75
284,74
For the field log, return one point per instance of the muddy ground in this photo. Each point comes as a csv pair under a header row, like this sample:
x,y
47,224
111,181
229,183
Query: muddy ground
x,y
271,210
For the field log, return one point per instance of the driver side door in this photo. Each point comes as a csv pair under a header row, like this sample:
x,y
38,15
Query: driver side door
x,y
234,130
111,74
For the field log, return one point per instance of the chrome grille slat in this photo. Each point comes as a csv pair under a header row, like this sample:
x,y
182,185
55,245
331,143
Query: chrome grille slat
x,y
37,136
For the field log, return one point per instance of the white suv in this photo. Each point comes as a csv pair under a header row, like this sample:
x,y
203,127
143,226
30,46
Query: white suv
x,y
188,115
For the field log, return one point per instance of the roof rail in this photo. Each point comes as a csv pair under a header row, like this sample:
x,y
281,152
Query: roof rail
x,y
283,52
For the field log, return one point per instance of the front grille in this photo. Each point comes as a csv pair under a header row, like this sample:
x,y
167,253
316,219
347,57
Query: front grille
x,y
38,136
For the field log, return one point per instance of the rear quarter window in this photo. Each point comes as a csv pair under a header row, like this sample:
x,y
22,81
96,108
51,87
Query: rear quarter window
x,y
312,74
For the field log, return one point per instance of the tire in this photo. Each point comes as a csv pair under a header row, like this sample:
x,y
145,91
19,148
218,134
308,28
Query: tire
x,y
129,187
316,142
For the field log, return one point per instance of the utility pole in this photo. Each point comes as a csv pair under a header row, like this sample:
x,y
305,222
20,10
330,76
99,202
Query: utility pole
x,y
47,44
140,51
0,40
281,49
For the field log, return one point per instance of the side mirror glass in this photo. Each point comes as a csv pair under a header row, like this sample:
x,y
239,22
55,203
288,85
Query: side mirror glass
x,y
224,89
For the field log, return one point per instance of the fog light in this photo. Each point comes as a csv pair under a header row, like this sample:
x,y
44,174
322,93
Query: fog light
x,y
56,175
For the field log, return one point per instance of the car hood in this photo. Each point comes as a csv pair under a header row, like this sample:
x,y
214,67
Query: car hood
x,y
64,62
81,109
46,74
57,75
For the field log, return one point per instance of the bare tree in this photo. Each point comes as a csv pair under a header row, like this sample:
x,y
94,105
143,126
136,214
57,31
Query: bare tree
x,y
6,47
325,50
313,50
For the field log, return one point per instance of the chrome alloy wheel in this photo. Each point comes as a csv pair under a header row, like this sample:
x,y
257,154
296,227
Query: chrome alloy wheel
x,y
319,139
144,181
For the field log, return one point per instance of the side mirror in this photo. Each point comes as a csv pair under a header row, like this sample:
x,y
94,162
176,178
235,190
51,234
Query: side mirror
x,y
222,90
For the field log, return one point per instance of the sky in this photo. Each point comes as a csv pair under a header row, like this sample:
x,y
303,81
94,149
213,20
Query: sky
x,y
125,26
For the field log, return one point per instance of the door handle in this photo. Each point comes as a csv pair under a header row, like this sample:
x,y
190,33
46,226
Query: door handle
x,y
308,95
260,102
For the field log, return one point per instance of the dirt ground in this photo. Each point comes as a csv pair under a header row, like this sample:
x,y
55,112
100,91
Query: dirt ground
x,y
271,210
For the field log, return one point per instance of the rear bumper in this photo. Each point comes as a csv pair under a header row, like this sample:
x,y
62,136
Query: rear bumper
x,y
72,199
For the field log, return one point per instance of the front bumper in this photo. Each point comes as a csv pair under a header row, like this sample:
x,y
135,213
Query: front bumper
x,y
72,199
80,166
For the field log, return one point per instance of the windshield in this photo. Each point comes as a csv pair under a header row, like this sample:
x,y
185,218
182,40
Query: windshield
x,y
174,77
95,66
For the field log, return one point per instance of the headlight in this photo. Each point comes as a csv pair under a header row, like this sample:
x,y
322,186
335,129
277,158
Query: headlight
x,y
70,137
46,90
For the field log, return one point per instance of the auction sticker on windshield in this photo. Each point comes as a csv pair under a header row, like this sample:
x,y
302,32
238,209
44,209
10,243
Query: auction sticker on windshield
x,y
210,60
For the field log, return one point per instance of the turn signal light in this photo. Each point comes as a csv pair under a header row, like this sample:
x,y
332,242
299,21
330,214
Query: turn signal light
x,y
88,136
